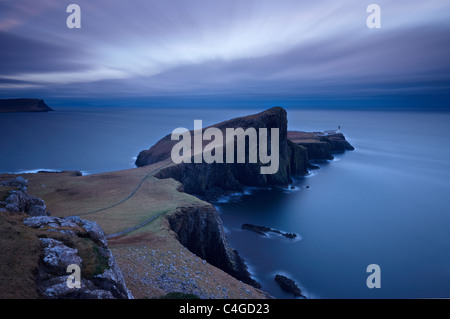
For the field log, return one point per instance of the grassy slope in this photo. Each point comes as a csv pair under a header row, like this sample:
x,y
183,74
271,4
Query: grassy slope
x,y
65,195
19,255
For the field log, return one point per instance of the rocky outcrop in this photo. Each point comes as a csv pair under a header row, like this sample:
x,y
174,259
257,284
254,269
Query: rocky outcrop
x,y
74,241
200,229
19,200
289,285
209,179
23,105
263,230
319,145
64,242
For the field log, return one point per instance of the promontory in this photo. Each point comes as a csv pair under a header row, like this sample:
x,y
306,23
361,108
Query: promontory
x,y
23,105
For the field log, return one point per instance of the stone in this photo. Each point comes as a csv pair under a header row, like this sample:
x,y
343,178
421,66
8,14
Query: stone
x,y
56,256
18,182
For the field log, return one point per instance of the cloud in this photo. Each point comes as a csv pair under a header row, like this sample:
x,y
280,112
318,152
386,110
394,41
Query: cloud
x,y
173,47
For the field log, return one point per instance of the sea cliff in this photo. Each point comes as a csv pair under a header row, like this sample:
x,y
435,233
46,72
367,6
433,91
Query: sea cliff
x,y
209,180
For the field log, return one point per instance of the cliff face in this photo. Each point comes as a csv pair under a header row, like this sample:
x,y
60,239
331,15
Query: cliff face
x,y
200,229
23,105
205,179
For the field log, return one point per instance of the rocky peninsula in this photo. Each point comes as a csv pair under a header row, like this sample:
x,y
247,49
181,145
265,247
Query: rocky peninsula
x,y
208,181
23,105
163,233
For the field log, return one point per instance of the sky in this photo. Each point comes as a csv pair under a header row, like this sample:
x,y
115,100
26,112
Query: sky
x,y
316,53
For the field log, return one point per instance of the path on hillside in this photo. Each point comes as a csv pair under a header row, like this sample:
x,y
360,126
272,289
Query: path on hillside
x,y
128,197
148,221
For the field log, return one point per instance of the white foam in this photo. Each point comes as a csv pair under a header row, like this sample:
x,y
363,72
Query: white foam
x,y
31,171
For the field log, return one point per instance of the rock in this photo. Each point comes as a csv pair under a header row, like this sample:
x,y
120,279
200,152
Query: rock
x,y
263,230
95,232
57,255
40,221
288,285
18,182
20,201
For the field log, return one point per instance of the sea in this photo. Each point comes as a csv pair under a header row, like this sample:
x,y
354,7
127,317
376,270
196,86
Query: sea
x,y
387,203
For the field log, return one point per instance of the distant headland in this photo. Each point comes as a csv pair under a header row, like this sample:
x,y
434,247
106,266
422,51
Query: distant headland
x,y
23,105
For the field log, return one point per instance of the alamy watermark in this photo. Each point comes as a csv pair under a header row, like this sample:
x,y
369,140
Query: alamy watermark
x,y
258,140
373,20
374,279
74,280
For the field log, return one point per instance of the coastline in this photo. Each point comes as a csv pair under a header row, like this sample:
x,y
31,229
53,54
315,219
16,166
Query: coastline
x,y
162,200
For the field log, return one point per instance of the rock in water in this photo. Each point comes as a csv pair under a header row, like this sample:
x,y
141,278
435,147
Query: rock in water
x,y
288,285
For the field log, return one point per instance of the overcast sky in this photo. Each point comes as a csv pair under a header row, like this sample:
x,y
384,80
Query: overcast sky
x,y
226,49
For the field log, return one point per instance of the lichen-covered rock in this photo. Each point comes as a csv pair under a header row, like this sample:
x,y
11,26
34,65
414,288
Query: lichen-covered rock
x,y
58,255
20,201
18,182
59,250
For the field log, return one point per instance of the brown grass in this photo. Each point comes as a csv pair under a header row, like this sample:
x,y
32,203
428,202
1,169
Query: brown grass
x,y
66,195
19,256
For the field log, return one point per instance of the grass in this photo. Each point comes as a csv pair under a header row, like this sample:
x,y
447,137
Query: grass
x,y
19,255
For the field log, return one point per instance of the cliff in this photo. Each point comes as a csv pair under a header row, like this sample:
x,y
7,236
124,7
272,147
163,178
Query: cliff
x,y
210,179
23,105
200,229
320,146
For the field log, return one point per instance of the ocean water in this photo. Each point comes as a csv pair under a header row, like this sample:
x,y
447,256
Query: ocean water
x,y
386,203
